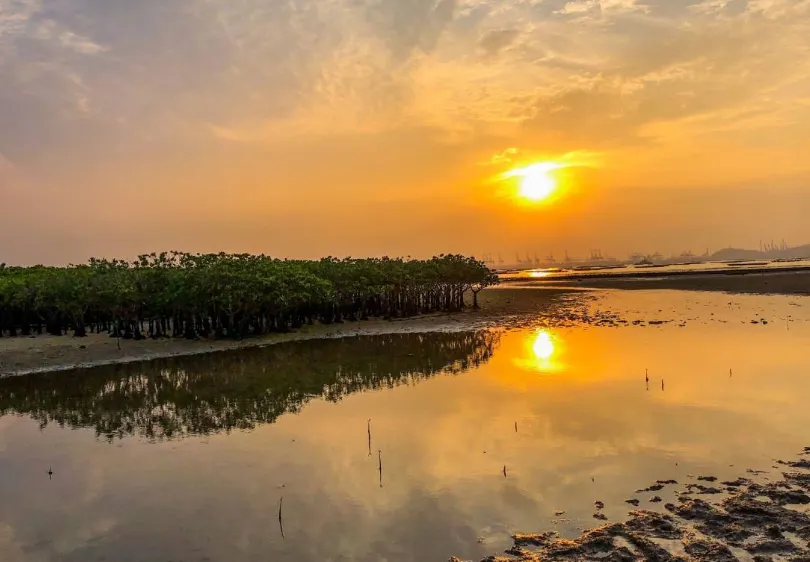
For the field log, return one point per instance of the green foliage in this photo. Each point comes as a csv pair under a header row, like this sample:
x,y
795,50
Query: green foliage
x,y
227,295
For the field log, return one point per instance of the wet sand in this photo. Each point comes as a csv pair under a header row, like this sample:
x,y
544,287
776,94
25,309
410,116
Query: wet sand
x,y
752,282
23,355
751,518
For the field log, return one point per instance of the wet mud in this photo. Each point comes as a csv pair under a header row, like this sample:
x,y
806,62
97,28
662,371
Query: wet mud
x,y
511,309
745,521
793,281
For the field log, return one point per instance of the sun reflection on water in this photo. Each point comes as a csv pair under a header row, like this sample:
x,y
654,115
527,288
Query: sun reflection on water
x,y
541,352
540,273
543,346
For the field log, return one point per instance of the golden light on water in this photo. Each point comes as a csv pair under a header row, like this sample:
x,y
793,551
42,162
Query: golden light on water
x,y
541,351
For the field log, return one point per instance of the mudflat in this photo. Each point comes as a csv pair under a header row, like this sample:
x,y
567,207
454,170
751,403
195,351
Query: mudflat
x,y
624,423
22,355
753,282
749,518
507,305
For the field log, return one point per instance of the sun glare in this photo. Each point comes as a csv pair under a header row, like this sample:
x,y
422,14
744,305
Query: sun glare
x,y
541,352
535,184
543,346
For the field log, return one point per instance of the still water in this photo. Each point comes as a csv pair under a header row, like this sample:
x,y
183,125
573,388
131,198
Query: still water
x,y
399,447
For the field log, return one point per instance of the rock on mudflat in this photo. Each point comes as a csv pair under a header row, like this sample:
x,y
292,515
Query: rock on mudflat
x,y
765,520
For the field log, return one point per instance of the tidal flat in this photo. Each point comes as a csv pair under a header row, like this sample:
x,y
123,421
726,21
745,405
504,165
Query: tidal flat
x,y
453,435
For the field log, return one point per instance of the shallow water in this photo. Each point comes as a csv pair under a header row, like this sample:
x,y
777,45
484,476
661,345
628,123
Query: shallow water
x,y
188,459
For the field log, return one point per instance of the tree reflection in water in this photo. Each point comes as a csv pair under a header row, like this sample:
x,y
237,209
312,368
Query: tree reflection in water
x,y
174,398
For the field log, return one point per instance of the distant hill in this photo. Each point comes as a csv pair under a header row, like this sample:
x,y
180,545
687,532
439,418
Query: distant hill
x,y
742,254
736,254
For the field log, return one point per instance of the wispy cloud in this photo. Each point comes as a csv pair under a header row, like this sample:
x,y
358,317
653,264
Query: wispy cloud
x,y
506,156
5,164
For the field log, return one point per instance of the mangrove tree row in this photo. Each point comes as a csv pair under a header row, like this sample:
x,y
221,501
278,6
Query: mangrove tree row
x,y
228,295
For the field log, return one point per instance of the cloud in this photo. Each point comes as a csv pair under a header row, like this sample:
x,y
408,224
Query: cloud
x,y
601,7
5,164
410,25
674,73
774,9
50,31
176,99
506,156
496,40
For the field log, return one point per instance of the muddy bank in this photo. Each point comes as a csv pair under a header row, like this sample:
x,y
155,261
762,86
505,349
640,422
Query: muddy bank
x,y
23,355
796,282
749,518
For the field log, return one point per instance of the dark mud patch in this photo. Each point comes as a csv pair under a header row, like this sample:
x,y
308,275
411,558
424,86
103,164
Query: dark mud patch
x,y
736,483
801,463
701,489
749,521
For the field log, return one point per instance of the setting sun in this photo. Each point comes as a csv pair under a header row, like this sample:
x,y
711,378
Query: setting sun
x,y
536,183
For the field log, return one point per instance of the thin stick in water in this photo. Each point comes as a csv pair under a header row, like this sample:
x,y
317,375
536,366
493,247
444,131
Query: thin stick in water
x,y
280,523
369,436
379,458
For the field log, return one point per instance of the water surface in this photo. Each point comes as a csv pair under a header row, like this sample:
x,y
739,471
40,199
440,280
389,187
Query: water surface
x,y
188,459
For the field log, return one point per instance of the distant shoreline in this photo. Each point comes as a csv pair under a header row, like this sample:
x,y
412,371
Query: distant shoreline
x,y
783,280
654,273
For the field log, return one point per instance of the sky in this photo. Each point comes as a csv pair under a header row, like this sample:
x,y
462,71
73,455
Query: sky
x,y
303,128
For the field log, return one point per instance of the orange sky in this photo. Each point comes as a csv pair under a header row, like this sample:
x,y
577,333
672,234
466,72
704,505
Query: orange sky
x,y
341,127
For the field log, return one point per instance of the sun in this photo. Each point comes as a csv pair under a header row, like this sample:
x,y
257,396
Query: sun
x,y
537,187
536,183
